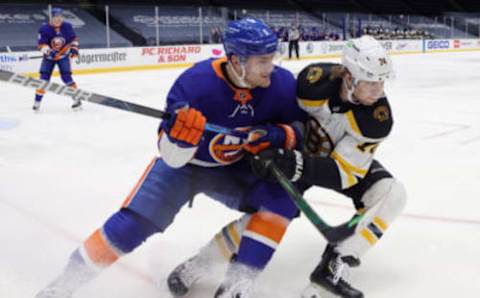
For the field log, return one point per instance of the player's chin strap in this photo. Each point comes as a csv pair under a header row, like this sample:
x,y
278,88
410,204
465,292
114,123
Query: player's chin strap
x,y
239,78
350,91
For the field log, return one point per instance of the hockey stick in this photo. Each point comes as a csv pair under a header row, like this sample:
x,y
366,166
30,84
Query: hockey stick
x,y
329,232
103,100
23,58
333,234
65,49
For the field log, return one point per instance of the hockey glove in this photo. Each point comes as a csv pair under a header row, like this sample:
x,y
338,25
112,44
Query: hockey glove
x,y
74,52
275,136
290,162
186,125
51,54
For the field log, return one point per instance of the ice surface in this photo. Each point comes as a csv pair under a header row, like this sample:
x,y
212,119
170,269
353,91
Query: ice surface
x,y
62,173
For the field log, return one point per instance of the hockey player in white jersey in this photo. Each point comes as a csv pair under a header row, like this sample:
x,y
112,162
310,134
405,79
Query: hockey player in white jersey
x,y
350,117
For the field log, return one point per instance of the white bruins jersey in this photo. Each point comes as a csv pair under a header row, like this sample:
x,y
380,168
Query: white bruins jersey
x,y
346,132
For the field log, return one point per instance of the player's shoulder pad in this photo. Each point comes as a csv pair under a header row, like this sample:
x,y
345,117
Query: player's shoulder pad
x,y
283,72
43,28
319,81
197,77
282,77
67,25
373,121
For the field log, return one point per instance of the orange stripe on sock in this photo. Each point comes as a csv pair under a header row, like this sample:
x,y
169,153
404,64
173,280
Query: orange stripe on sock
x,y
139,183
40,92
269,225
99,250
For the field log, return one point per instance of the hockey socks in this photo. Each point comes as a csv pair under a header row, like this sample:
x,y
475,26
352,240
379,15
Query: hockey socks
x,y
121,234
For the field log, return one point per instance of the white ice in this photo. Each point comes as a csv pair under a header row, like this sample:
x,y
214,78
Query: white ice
x,y
62,173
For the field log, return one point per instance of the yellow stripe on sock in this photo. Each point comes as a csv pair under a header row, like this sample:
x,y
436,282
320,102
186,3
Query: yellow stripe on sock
x,y
369,236
380,223
234,234
223,246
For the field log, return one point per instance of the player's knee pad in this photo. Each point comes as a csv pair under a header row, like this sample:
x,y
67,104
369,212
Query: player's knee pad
x,y
66,78
45,76
126,230
386,199
281,206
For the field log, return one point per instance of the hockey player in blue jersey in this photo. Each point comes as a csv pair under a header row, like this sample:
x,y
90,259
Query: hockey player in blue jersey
x,y
239,91
58,43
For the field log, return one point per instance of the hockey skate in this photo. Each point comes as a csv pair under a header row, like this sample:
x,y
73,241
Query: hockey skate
x,y
238,283
328,279
77,105
186,274
36,106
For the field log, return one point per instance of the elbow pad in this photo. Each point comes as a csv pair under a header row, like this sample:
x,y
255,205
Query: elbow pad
x,y
174,155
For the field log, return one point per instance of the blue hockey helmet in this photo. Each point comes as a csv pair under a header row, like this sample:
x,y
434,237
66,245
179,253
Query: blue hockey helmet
x,y
248,37
57,11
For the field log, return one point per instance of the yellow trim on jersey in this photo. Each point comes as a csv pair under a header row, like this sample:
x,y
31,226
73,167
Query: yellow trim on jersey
x,y
353,122
380,223
313,103
351,180
368,236
350,167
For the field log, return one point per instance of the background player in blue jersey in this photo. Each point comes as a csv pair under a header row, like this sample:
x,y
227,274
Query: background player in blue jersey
x,y
239,91
58,43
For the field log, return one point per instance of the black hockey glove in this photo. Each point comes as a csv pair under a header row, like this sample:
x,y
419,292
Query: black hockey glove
x,y
290,162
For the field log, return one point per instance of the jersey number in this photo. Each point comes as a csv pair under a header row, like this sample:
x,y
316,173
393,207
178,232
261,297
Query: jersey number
x,y
368,147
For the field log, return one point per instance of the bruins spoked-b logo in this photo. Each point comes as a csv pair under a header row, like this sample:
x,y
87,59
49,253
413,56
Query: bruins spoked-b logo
x,y
381,113
314,74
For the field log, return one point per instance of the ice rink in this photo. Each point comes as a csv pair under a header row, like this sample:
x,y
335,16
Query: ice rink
x,y
63,173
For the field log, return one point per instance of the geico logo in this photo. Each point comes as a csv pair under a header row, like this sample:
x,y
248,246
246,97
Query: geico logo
x,y
438,44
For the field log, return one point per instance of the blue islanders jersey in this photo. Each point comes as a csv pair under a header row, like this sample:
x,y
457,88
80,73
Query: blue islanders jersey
x,y
56,37
206,87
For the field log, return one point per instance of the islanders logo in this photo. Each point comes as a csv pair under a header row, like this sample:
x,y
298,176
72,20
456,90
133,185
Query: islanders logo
x,y
57,43
226,149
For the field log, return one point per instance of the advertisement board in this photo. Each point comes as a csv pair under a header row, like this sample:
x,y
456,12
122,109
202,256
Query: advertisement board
x,y
142,58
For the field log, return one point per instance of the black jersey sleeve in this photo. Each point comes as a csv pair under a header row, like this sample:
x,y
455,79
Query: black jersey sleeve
x,y
319,81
